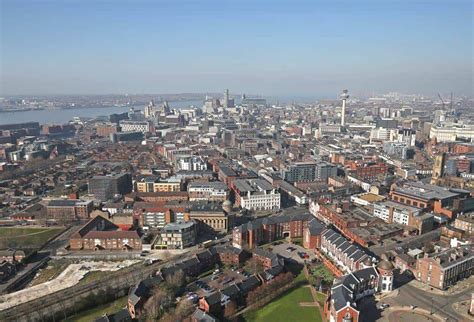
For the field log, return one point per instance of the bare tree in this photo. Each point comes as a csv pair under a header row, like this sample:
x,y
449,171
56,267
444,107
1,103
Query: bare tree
x,y
230,309
153,307
175,280
254,266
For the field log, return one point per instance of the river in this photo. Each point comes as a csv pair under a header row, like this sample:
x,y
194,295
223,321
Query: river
x,y
63,116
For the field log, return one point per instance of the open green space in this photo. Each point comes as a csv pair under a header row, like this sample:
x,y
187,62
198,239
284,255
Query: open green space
x,y
286,308
26,238
323,272
97,312
321,298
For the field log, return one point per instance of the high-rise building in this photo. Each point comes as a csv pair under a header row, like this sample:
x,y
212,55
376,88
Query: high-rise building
x,y
105,187
344,97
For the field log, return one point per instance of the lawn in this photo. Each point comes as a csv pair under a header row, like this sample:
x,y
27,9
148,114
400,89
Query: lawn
x,y
322,271
97,312
93,276
26,238
286,308
321,298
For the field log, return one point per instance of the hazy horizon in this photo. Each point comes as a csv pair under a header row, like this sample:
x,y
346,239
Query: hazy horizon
x,y
272,48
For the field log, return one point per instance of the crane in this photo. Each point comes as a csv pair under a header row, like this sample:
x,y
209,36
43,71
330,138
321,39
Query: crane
x,y
442,101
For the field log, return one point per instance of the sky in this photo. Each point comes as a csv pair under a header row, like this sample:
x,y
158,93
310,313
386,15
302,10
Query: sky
x,y
273,48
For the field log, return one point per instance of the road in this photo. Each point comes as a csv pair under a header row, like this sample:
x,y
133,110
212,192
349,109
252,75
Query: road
x,y
436,303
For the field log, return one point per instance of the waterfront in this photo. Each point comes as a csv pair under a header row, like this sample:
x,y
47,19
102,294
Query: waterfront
x,y
63,116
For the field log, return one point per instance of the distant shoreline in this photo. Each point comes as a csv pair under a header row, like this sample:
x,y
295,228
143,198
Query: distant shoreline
x,y
82,107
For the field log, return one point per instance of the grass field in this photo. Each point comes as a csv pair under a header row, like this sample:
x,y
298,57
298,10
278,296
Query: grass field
x,y
286,308
97,312
26,238
321,298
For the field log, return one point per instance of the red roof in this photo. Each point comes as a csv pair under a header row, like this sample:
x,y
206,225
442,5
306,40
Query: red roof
x,y
112,234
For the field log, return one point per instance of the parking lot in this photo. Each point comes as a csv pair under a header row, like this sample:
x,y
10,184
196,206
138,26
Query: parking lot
x,y
293,251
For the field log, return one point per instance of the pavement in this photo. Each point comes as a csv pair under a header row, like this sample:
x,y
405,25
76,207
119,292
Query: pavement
x,y
69,277
281,250
439,304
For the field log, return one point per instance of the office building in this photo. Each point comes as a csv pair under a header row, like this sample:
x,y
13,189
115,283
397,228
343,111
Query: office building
x,y
212,191
256,194
106,187
177,235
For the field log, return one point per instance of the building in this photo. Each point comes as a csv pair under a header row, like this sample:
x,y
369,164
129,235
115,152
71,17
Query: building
x,y
441,200
256,194
299,172
68,210
308,171
157,184
211,215
101,234
347,290
269,229
159,217
229,255
136,126
12,256
208,191
438,167
140,293
126,137
106,129
451,132
177,235
106,187
267,259
465,223
312,234
443,269
191,163
345,257
395,212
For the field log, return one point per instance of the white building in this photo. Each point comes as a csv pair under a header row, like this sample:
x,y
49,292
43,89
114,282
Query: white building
x,y
136,126
191,163
451,132
215,191
383,134
256,194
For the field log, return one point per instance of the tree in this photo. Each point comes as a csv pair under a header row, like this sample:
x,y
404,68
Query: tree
x,y
184,309
230,309
254,266
175,280
153,307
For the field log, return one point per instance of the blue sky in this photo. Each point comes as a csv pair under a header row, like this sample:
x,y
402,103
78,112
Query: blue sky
x,y
277,48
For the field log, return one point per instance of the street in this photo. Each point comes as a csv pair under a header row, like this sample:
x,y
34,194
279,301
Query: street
x,y
432,302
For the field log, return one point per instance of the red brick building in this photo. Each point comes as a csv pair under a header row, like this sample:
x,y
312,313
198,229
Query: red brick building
x,y
269,229
101,234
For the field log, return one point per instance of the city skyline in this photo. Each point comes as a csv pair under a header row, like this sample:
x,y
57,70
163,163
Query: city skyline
x,y
277,49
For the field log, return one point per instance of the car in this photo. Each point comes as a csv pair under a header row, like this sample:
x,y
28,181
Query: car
x,y
227,280
214,277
